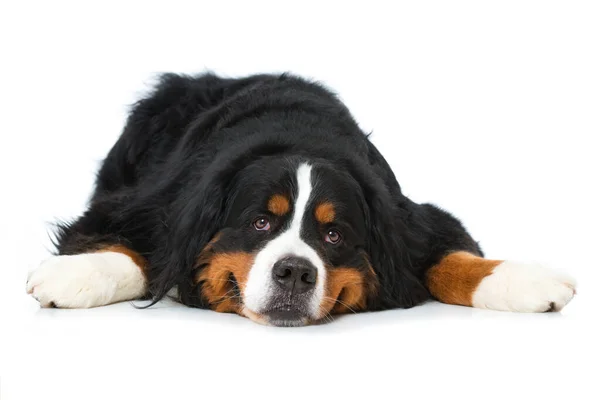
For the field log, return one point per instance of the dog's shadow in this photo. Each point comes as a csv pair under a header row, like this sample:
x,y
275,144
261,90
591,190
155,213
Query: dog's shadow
x,y
168,310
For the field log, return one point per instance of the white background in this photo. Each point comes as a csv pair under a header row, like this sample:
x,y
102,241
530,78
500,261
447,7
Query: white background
x,y
489,109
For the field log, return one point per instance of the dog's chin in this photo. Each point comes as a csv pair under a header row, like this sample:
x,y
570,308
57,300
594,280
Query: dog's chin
x,y
278,317
286,318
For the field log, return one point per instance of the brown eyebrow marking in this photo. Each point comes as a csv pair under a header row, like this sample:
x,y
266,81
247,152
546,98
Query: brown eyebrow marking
x,y
325,213
279,205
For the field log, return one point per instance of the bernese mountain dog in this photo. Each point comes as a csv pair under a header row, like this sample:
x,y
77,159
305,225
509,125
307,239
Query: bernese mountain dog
x,y
261,196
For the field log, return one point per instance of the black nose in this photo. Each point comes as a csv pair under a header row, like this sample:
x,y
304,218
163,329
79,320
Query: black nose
x,y
295,274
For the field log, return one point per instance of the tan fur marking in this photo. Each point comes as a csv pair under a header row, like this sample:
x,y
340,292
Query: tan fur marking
x,y
457,276
217,289
325,213
349,287
279,205
253,316
137,258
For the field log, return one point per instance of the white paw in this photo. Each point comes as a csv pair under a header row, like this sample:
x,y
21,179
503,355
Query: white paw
x,y
524,287
86,280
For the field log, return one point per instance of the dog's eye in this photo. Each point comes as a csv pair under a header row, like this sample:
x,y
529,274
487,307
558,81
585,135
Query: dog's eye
x,y
333,236
262,224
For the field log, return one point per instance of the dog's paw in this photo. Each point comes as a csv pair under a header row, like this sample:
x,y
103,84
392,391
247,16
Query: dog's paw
x,y
77,281
524,287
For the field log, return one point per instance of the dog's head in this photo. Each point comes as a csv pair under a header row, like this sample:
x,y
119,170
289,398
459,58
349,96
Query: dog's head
x,y
287,241
292,247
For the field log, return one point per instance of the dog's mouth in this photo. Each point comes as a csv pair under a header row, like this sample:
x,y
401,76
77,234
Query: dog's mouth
x,y
286,316
283,308
286,311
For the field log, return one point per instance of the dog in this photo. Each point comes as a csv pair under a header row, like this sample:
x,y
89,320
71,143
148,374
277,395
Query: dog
x,y
261,196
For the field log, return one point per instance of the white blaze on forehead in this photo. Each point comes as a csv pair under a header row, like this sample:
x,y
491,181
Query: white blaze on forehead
x,y
304,190
289,243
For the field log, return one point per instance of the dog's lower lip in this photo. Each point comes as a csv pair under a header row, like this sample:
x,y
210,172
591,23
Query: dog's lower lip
x,y
285,313
286,316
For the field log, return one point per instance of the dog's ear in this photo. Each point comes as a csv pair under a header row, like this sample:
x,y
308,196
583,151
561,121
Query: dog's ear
x,y
196,216
391,249
194,219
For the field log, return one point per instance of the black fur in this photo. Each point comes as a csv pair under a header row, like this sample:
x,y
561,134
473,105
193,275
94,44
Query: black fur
x,y
164,189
